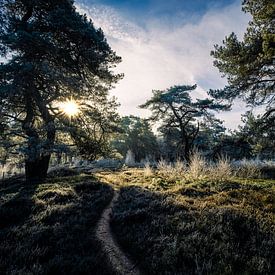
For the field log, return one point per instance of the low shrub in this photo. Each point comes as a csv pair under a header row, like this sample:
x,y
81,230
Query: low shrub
x,y
201,228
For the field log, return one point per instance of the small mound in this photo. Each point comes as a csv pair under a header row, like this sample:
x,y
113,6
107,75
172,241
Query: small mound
x,y
62,172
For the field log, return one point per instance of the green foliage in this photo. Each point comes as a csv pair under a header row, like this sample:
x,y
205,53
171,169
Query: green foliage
x,y
53,53
249,64
233,146
137,137
260,134
99,122
181,117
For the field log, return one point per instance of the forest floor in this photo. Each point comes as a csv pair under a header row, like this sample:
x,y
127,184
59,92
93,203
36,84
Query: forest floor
x,y
130,222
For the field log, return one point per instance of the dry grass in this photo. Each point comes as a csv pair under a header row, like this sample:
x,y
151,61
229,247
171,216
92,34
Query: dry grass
x,y
222,170
148,171
200,169
248,169
200,227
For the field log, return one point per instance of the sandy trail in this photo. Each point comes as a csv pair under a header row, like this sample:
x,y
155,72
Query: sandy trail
x,y
120,262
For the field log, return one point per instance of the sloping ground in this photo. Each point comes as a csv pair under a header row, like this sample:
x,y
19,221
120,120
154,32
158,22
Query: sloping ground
x,y
197,228
119,260
50,228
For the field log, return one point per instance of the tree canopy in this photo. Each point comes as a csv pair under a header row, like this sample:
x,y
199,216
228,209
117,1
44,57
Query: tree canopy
x,y
249,64
53,53
137,136
180,114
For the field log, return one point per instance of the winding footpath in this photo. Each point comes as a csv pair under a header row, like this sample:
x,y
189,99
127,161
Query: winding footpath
x,y
119,260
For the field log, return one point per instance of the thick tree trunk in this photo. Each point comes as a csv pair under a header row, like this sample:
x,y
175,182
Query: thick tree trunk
x,y
36,170
36,166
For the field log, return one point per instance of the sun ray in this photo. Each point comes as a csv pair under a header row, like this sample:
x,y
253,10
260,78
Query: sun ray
x,y
70,108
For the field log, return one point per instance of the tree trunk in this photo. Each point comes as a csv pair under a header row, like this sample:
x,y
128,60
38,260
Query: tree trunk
x,y
187,152
36,170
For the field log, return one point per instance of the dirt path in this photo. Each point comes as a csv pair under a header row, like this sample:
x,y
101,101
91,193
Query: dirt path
x,y
121,263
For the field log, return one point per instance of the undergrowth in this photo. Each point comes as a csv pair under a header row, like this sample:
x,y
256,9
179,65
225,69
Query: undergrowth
x,y
196,227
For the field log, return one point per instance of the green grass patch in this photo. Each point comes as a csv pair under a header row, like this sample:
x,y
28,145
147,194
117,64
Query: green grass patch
x,y
50,228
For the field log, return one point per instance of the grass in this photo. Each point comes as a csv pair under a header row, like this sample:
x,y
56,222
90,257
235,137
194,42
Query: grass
x,y
49,228
198,226
170,220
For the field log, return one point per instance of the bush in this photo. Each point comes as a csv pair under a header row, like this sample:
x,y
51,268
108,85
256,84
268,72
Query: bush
x,y
248,169
61,172
222,170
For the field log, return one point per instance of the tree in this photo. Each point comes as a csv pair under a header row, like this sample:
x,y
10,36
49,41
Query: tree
x,y
210,136
137,137
180,115
249,65
53,53
99,122
260,135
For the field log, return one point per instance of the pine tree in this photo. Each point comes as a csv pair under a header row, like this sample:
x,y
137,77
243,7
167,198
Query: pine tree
x,y
181,116
249,64
52,53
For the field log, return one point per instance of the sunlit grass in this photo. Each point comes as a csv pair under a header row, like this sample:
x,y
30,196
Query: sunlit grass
x,y
203,226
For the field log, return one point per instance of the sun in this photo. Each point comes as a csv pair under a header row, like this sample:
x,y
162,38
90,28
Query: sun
x,y
70,107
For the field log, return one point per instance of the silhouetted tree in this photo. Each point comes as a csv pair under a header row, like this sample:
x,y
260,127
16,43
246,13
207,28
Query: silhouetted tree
x,y
99,123
180,115
249,64
52,53
138,137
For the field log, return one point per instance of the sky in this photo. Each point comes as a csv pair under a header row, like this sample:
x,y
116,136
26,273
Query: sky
x,y
165,43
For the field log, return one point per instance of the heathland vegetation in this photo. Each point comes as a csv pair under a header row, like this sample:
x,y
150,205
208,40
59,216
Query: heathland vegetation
x,y
185,194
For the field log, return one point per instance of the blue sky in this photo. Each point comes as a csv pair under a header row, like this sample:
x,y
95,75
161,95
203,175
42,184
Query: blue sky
x,y
164,43
146,8
170,11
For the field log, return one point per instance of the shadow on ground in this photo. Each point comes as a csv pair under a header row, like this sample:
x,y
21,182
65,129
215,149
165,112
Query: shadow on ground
x,y
227,229
50,228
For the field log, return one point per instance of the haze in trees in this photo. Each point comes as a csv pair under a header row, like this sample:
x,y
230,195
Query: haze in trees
x,y
52,53
137,136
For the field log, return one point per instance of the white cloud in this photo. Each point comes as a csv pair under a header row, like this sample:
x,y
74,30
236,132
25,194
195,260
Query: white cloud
x,y
159,56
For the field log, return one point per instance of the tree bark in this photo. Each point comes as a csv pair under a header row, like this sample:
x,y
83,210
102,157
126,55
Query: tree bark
x,y
37,162
36,170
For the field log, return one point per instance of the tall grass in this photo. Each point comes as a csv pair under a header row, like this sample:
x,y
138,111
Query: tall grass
x,y
222,170
148,171
248,169
197,168
164,168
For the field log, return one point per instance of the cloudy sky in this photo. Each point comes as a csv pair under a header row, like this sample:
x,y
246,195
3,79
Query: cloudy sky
x,y
164,43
